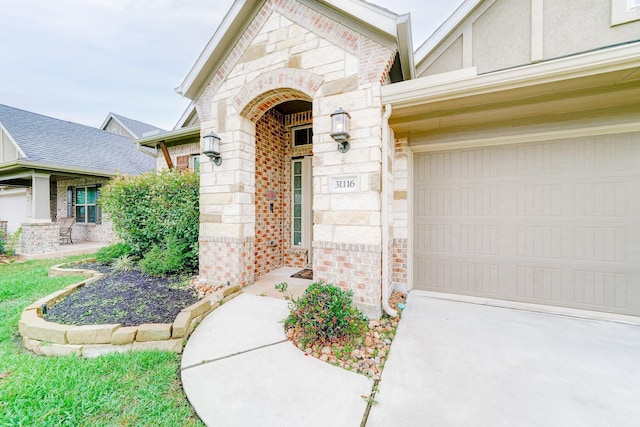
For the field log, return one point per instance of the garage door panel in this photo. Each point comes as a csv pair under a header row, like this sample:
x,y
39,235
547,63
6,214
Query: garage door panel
x,y
552,223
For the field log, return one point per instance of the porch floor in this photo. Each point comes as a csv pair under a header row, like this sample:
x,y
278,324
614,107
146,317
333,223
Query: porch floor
x,y
70,249
264,285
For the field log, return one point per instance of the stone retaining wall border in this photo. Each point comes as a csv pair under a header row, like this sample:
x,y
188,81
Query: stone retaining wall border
x,y
54,339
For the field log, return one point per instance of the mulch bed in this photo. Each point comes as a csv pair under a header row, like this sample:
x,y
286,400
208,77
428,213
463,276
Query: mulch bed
x,y
130,298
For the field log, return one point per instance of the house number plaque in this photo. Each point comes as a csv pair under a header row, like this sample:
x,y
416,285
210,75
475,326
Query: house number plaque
x,y
344,184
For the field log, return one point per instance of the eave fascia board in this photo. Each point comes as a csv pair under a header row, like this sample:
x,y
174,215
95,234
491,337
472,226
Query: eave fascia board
x,y
224,38
173,135
13,141
381,19
443,31
433,88
185,116
405,46
53,167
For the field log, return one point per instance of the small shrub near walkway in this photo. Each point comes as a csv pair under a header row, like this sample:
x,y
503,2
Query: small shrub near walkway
x,y
324,324
133,389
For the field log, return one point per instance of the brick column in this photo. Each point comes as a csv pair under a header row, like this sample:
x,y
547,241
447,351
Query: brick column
x,y
40,238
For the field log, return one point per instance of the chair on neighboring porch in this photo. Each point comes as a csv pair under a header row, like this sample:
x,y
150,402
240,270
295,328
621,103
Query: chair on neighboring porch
x,y
65,229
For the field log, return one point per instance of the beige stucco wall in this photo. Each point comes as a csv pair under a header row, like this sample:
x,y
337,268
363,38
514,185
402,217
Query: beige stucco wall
x,y
501,34
8,151
14,208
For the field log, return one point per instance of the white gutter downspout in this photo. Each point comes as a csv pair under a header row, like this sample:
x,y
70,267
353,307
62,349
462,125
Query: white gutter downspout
x,y
385,212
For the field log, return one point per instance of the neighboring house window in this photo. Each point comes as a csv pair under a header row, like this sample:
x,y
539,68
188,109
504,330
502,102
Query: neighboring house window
x,y
188,162
302,135
623,11
87,209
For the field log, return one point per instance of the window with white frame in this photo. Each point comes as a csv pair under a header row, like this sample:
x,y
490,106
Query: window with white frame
x,y
302,135
86,204
623,11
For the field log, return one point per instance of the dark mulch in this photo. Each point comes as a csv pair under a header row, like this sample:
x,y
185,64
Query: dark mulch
x,y
130,298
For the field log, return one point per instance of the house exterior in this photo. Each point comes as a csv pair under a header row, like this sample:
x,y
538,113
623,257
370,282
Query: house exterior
x,y
500,159
51,169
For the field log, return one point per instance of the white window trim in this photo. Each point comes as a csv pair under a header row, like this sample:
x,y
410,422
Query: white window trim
x,y
293,134
307,226
624,11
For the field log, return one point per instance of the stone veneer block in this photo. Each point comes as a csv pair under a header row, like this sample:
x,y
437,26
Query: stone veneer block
x,y
49,332
231,290
102,349
174,345
28,317
181,324
91,334
60,350
124,335
231,296
198,308
154,332
32,345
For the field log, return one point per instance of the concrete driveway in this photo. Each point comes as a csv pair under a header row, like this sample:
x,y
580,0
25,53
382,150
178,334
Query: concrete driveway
x,y
468,364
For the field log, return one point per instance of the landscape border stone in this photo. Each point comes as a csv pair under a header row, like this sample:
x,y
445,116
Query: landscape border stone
x,y
54,339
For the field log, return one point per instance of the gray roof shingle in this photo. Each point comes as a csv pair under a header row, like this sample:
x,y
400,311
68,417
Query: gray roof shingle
x,y
72,145
137,127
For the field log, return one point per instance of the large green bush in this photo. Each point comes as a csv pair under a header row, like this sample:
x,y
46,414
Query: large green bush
x,y
324,314
157,210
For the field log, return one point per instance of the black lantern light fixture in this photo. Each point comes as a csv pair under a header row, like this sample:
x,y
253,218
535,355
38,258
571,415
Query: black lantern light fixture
x,y
212,148
340,129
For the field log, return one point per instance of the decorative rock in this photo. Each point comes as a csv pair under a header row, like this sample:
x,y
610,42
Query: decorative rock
x,y
154,332
174,346
45,331
324,357
199,308
326,350
231,290
60,350
125,335
91,334
100,350
368,342
181,324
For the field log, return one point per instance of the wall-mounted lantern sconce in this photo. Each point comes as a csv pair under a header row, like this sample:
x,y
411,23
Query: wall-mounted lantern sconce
x,y
340,129
212,147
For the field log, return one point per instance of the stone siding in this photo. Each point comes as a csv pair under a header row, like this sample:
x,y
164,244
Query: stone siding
x,y
39,238
85,232
293,52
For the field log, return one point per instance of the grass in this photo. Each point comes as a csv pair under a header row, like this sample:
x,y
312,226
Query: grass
x,y
134,389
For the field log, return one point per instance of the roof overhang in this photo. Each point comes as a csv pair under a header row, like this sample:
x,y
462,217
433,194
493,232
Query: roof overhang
x,y
171,138
22,169
597,79
383,25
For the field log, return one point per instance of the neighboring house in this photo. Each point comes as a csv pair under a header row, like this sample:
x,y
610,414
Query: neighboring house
x,y
121,125
500,160
51,168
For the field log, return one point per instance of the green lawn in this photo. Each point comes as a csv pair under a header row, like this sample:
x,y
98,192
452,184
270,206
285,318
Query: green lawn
x,y
136,389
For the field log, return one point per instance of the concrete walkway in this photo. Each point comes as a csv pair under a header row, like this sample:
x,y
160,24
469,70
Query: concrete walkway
x,y
238,369
452,363
464,364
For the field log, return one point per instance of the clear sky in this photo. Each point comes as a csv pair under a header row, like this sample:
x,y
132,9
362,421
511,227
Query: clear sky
x,y
78,60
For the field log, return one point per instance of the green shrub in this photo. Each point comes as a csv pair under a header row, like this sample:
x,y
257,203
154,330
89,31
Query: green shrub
x,y
1,246
123,263
157,210
12,242
324,314
112,252
168,259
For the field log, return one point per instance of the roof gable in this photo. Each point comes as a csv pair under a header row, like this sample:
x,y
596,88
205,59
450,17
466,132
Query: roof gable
x,y
135,128
51,142
245,19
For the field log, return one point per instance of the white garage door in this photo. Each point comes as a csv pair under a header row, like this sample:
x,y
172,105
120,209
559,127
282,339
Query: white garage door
x,y
552,223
